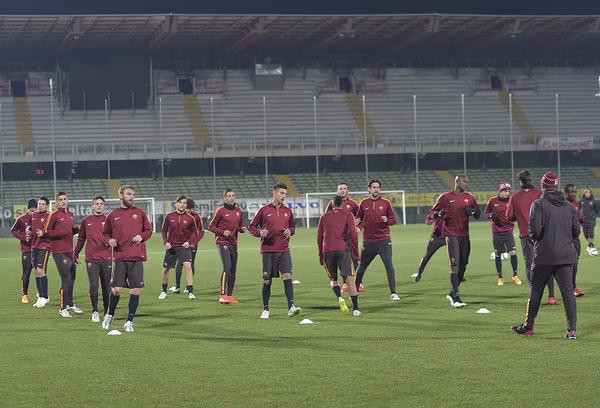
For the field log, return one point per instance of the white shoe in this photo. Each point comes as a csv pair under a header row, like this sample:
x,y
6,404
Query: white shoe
x,y
75,309
294,311
356,313
42,302
107,321
95,317
172,288
64,313
264,314
458,302
394,297
191,296
163,295
450,299
128,326
185,291
37,303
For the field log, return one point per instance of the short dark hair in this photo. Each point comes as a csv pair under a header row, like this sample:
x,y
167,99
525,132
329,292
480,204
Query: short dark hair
x,y
126,187
227,190
524,176
44,198
181,197
60,193
374,181
568,187
191,204
338,201
98,197
279,185
343,184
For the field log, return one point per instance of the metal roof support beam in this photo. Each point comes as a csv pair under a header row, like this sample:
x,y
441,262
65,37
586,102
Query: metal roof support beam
x,y
166,30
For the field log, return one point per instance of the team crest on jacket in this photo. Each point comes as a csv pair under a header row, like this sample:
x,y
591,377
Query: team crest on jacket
x,y
466,201
43,220
102,222
64,261
134,216
185,221
348,206
285,215
381,208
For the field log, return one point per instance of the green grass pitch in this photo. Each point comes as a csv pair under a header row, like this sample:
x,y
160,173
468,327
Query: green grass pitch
x,y
416,352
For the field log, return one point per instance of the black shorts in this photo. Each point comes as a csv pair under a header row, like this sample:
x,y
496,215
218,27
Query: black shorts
x,y
276,264
174,256
128,274
503,242
588,230
459,249
39,258
338,260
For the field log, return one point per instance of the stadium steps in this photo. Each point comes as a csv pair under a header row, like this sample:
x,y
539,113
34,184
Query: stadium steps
x,y
194,112
518,116
446,177
356,108
284,178
23,123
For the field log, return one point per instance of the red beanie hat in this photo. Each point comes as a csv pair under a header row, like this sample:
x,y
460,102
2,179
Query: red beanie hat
x,y
550,180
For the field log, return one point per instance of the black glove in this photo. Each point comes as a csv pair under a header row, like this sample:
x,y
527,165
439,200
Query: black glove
x,y
470,211
440,214
495,219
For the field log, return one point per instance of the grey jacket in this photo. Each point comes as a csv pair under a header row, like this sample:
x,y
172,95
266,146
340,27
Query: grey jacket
x,y
553,225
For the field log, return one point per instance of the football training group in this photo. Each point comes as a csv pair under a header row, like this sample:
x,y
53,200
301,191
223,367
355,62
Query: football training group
x,y
549,223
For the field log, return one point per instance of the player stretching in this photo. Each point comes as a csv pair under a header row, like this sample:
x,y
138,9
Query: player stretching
x,y
179,234
274,224
458,205
97,255
589,209
502,232
190,205
21,230
335,227
126,230
519,205
571,196
349,205
225,224
60,228
436,241
375,216
40,249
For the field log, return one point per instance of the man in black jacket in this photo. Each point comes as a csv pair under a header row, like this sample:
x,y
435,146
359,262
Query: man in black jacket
x,y
553,225
589,208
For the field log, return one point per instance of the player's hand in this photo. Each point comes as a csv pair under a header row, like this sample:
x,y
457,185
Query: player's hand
x,y
242,230
287,233
28,230
227,233
263,233
112,242
39,232
440,214
186,245
167,246
76,260
384,218
470,211
357,221
137,239
321,259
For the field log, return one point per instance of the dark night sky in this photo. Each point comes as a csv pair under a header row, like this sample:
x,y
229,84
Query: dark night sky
x,y
298,7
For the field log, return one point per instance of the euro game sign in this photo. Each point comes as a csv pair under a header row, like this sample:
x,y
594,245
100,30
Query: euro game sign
x,y
39,172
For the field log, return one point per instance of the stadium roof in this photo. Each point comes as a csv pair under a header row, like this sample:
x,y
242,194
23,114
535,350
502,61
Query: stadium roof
x,y
228,35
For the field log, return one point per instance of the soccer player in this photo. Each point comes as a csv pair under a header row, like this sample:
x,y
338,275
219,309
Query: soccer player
x,y
97,255
60,229
179,234
553,226
335,227
436,241
518,208
226,224
126,230
571,196
458,205
589,209
375,216
274,224
502,232
40,249
200,225
350,205
21,230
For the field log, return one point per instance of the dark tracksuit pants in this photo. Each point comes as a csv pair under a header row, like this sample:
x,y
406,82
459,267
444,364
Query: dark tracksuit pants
x,y
99,271
66,270
563,276
577,245
27,267
432,247
527,247
229,257
370,250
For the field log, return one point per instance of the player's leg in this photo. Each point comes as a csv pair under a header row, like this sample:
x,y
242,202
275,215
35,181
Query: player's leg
x,y
73,271
527,248
576,291
118,282
178,273
453,258
384,249
40,263
233,256
26,267
539,276
105,276
135,281
285,268
224,254
93,272
432,246
343,262
369,253
563,277
169,262
164,283
498,249
194,251
189,277
512,251
331,267
267,266
63,267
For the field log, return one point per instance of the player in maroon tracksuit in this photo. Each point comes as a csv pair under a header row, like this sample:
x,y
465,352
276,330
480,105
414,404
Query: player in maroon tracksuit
x,y
518,208
502,232
21,230
194,249
60,228
274,224
179,234
97,255
335,227
126,230
458,205
571,196
436,241
40,250
226,224
375,216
